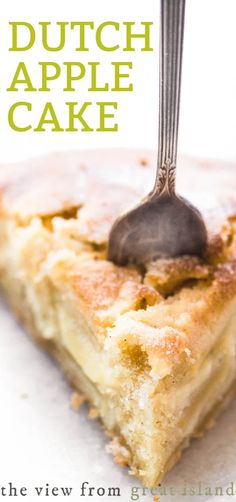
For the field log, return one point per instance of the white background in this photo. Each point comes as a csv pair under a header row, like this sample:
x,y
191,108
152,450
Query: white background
x,y
208,112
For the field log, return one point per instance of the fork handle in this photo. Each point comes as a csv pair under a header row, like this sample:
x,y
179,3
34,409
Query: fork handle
x,y
171,49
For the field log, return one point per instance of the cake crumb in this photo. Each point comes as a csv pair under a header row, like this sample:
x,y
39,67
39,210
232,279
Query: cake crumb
x,y
133,471
77,400
93,413
110,434
143,162
120,453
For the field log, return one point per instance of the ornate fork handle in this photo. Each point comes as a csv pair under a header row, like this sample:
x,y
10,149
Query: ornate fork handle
x,y
171,49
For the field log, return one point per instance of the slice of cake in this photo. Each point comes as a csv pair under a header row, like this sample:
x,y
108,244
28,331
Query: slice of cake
x,y
154,350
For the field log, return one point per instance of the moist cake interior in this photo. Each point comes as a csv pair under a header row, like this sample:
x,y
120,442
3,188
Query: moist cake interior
x,y
153,350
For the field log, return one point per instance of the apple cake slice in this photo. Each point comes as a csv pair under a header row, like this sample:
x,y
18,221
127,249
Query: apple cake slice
x,y
153,350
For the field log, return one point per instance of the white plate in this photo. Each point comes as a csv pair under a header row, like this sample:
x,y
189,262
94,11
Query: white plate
x,y
42,440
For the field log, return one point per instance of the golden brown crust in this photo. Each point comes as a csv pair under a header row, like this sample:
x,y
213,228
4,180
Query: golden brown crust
x,y
153,350
167,275
69,201
110,181
110,290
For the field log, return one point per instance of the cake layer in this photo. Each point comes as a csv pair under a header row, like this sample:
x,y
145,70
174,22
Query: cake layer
x,y
154,351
